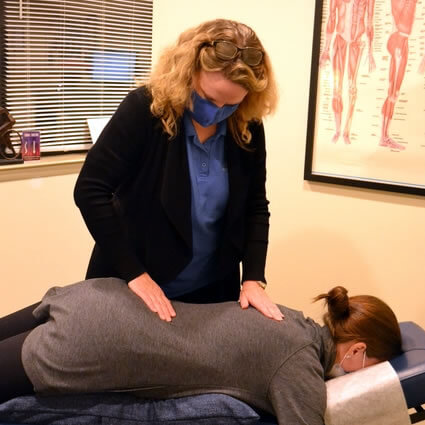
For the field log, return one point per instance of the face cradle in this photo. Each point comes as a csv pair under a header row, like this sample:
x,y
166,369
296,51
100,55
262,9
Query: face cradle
x,y
216,88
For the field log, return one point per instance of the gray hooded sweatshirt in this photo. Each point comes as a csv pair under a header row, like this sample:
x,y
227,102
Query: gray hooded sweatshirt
x,y
100,336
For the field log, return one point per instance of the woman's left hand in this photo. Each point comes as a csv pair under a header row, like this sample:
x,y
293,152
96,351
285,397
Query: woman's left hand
x,y
253,294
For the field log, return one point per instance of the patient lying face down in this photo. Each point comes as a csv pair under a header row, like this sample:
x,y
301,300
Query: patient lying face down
x,y
98,336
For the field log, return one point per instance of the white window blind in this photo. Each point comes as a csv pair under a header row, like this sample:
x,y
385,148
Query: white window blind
x,y
66,61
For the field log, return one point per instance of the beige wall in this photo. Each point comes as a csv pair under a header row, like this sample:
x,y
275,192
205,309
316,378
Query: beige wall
x,y
43,239
321,235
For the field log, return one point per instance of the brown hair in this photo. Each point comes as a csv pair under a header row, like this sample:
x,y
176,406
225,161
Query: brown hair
x,y
362,318
171,80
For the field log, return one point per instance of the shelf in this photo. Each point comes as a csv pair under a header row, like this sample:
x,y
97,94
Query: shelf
x,y
53,165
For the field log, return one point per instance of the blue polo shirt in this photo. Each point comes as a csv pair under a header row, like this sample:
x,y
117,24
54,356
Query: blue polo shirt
x,y
210,193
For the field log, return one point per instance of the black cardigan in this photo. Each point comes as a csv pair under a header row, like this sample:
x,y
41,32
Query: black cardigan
x,y
134,194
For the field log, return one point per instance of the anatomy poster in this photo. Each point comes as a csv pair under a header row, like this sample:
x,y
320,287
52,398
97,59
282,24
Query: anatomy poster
x,y
367,117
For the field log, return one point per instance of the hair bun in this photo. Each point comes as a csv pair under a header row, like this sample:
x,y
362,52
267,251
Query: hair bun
x,y
337,302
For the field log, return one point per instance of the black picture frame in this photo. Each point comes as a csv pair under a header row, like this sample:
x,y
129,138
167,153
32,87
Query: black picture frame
x,y
329,175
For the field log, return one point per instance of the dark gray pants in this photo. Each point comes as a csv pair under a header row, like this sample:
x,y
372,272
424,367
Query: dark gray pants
x,y
14,328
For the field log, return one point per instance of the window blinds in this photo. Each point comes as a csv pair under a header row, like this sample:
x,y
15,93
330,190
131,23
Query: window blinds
x,y
66,61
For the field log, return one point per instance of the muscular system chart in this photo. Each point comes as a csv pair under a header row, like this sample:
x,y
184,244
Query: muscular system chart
x,y
370,105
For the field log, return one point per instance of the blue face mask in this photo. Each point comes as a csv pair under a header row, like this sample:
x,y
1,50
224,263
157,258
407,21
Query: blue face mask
x,y
206,113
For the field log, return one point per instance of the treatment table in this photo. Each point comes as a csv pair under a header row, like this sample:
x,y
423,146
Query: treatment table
x,y
410,368
207,409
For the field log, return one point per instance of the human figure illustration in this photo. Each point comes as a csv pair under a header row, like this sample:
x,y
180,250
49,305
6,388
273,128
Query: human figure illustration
x,y
421,68
403,12
350,19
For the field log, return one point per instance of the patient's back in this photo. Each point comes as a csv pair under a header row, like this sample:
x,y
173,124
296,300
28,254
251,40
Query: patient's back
x,y
100,336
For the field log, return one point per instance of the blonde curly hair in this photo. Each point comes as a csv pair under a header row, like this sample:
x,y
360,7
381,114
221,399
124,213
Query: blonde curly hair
x,y
171,80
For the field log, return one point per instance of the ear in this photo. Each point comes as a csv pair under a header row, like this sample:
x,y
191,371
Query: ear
x,y
358,348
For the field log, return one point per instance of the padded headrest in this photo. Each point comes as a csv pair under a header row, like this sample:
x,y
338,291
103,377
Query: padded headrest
x,y
410,366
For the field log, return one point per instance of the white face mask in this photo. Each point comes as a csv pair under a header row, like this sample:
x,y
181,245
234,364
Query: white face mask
x,y
338,370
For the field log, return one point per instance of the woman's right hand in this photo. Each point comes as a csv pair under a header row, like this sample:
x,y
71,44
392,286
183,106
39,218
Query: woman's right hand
x,y
153,296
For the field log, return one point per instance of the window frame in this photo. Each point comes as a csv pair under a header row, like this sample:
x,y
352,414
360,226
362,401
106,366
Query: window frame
x,y
145,59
